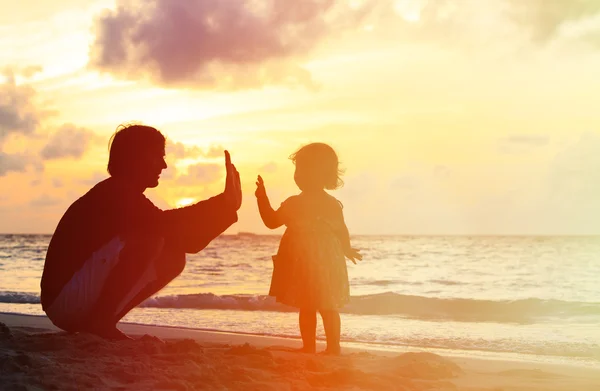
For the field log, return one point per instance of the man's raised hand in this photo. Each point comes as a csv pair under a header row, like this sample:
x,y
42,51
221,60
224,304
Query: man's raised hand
x,y
233,187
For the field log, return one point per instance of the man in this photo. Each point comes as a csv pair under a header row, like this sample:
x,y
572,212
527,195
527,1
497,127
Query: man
x,y
113,248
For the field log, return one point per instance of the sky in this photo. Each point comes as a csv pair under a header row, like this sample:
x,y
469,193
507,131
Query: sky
x,y
450,117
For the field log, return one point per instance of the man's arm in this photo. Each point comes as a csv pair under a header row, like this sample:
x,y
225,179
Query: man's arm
x,y
193,227
189,229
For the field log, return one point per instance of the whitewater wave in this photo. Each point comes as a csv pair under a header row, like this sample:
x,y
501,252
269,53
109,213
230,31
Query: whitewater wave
x,y
19,298
391,304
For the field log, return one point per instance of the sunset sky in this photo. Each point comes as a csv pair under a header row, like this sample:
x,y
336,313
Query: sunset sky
x,y
449,116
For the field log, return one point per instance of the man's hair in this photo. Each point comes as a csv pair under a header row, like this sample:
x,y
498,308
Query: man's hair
x,y
128,142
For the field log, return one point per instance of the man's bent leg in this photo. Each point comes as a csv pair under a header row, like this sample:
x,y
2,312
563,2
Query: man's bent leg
x,y
73,305
135,259
168,266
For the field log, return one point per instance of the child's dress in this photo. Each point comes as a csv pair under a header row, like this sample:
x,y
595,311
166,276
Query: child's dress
x,y
310,267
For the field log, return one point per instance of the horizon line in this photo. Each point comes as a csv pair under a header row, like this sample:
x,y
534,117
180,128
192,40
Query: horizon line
x,y
246,233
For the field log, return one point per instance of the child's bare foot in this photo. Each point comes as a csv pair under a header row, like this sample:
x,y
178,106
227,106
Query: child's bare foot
x,y
307,349
332,351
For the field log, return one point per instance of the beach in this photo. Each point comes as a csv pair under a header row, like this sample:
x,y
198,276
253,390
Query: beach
x,y
34,355
506,297
426,314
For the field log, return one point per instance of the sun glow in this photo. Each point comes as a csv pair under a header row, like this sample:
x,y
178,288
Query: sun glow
x,y
409,10
184,202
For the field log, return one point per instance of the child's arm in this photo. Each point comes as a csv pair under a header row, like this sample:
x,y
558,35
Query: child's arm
x,y
270,217
351,253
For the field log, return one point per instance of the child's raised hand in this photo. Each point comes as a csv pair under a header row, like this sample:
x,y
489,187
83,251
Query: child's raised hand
x,y
260,192
353,254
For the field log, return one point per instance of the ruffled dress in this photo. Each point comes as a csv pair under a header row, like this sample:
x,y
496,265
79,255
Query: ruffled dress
x,y
310,267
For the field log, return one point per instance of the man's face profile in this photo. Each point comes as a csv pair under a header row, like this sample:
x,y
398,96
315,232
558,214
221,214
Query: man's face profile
x,y
147,167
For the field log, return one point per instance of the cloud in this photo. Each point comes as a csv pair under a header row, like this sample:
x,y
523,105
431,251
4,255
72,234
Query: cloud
x,y
179,151
357,187
522,143
57,182
231,45
441,171
201,173
268,168
169,173
541,20
31,71
405,182
215,151
182,151
27,11
474,24
45,201
18,114
528,139
215,44
93,179
544,19
68,141
14,162
206,44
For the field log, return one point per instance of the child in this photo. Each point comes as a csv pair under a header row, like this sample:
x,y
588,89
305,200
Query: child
x,y
310,266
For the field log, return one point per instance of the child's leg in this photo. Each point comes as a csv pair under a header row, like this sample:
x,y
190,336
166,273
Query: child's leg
x,y
332,325
308,329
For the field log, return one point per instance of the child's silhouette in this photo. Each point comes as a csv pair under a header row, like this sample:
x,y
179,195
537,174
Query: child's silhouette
x,y
310,267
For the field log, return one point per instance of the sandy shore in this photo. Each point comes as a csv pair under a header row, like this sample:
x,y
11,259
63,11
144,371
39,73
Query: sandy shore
x,y
34,355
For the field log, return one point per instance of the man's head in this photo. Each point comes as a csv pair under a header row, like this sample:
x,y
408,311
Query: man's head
x,y
137,154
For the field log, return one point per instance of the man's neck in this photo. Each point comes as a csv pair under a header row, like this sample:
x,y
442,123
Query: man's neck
x,y
131,184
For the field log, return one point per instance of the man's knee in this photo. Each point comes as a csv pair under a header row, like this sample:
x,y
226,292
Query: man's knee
x,y
139,251
170,263
178,263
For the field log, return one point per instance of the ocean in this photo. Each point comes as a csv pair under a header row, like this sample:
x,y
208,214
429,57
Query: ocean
x,y
524,298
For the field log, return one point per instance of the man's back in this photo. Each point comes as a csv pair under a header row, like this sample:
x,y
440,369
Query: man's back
x,y
90,222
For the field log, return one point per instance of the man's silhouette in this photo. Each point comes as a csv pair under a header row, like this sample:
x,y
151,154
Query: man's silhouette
x,y
113,248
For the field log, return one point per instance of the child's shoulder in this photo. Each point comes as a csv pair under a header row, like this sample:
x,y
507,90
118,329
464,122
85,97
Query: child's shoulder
x,y
334,201
291,199
289,204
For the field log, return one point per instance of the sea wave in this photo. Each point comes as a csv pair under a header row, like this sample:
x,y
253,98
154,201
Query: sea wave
x,y
19,298
391,304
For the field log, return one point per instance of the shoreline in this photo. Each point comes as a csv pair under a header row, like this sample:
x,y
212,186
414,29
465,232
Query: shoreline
x,y
34,353
41,322
263,340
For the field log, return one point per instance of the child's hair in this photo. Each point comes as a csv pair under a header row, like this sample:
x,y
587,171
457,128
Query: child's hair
x,y
320,163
